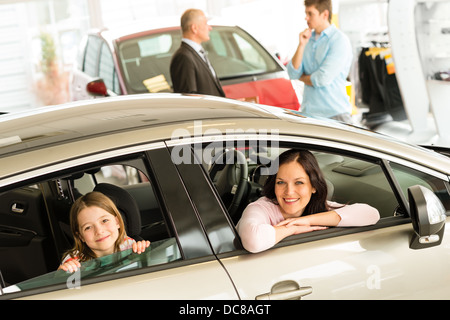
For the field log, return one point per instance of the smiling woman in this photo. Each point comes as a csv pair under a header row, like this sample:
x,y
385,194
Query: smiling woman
x,y
294,202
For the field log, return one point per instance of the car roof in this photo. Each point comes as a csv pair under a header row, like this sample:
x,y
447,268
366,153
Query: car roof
x,y
53,134
134,30
118,35
77,120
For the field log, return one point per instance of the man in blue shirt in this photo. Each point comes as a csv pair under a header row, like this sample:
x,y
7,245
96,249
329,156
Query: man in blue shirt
x,y
322,61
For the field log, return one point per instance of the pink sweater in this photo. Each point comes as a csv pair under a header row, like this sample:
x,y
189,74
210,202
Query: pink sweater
x,y
256,224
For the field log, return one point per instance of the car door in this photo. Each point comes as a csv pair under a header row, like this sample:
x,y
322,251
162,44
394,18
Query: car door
x,y
372,262
177,261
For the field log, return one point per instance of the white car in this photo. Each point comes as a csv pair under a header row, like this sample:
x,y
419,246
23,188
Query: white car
x,y
156,152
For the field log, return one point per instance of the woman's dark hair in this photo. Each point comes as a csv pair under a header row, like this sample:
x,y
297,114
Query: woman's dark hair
x,y
306,159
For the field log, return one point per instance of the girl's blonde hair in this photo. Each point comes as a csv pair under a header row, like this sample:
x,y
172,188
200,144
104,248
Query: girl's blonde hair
x,y
92,199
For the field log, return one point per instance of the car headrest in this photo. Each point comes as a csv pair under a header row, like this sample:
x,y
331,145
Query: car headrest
x,y
126,205
131,51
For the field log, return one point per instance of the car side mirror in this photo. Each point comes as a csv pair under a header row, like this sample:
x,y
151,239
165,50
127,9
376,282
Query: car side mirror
x,y
97,88
428,217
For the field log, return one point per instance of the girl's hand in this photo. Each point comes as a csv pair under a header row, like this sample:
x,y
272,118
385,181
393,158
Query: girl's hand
x,y
140,246
70,266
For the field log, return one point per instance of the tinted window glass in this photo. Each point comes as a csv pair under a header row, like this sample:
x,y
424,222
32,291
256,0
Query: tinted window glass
x,y
92,55
146,62
234,53
107,70
163,251
159,44
352,180
408,177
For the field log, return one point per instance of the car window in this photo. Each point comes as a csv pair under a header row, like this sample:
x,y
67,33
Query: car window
x,y
159,252
159,44
146,61
107,71
249,53
408,177
349,179
234,53
353,180
35,228
90,65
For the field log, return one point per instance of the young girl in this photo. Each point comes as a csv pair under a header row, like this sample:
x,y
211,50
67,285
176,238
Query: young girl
x,y
98,230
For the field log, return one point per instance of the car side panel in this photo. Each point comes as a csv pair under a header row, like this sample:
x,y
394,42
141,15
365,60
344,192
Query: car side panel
x,y
376,264
207,280
277,92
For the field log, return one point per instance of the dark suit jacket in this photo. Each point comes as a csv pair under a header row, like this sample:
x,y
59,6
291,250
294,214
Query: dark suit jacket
x,y
191,74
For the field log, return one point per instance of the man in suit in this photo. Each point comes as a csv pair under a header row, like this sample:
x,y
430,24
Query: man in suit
x,y
190,69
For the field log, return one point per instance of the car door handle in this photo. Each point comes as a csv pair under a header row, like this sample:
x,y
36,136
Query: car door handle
x,y
17,208
285,290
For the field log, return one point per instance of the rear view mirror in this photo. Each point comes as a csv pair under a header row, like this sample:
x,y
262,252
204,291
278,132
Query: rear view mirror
x,y
428,218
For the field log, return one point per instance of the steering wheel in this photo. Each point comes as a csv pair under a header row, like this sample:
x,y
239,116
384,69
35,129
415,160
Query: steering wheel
x,y
231,182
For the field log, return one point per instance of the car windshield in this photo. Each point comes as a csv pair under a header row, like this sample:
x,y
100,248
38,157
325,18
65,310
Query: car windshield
x,y
159,252
233,53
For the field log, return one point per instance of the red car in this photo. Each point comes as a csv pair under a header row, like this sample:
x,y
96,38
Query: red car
x,y
138,62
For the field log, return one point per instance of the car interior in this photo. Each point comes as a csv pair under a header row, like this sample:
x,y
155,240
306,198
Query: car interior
x,y
139,68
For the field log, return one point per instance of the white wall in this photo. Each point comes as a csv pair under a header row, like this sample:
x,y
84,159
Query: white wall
x,y
14,73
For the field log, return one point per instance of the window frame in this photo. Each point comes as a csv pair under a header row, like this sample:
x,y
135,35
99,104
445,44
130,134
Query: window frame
x,y
335,147
163,192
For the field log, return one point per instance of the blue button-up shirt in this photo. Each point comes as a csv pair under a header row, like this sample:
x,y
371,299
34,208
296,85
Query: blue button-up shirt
x,y
327,60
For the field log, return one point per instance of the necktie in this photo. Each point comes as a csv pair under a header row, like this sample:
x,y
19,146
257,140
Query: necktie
x,y
205,57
